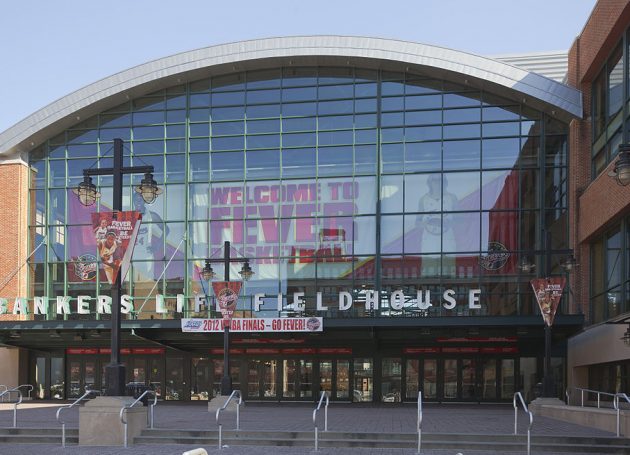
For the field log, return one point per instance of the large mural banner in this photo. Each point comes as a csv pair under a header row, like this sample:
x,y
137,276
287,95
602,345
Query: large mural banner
x,y
548,293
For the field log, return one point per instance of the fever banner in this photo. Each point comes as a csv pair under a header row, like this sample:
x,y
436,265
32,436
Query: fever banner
x,y
227,296
115,234
548,293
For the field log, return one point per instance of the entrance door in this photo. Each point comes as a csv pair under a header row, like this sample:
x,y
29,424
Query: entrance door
x,y
261,379
81,375
460,380
325,377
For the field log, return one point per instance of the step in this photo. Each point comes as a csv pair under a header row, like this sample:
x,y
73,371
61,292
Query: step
x,y
35,439
38,431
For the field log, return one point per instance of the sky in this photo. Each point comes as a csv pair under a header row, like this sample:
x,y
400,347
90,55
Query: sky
x,y
49,49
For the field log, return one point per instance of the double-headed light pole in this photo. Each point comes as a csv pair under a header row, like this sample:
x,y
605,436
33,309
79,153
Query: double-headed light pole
x,y
208,274
88,194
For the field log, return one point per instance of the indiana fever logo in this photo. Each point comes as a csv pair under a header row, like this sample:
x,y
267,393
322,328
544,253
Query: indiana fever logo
x,y
85,267
496,258
227,299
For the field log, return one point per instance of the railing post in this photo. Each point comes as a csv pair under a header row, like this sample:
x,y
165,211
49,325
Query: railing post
x,y
598,400
582,393
316,439
63,434
220,436
238,415
126,442
529,445
326,416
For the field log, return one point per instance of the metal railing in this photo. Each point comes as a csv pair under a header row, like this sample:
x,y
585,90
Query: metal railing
x,y
123,413
531,419
582,391
618,408
419,422
63,422
319,405
29,388
238,414
8,393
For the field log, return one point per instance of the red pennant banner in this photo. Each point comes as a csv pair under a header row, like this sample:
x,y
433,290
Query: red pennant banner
x,y
226,293
548,293
115,234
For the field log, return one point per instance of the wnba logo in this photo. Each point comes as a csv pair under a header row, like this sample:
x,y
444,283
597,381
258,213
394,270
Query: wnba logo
x,y
85,267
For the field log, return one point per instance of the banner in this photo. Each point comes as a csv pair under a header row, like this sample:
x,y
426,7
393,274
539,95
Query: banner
x,y
227,296
548,293
311,324
115,234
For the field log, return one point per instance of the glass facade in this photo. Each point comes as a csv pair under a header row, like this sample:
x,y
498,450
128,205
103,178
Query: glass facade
x,y
328,180
610,98
610,273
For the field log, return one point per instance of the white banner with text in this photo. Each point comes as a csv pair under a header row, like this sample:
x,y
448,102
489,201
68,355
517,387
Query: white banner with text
x,y
311,324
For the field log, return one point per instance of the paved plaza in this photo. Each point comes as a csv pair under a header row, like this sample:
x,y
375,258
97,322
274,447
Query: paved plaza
x,y
437,418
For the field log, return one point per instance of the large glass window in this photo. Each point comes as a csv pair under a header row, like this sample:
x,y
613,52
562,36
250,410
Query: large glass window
x,y
318,176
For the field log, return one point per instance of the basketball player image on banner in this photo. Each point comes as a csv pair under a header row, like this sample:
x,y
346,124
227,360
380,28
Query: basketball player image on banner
x,y
110,254
548,293
115,235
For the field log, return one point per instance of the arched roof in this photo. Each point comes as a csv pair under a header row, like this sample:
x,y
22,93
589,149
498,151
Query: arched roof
x,y
540,92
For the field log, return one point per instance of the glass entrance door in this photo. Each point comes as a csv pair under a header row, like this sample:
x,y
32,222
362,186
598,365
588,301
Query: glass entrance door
x,y
81,375
262,379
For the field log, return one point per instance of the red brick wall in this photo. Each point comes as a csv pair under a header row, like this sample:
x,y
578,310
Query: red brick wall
x,y
13,232
595,204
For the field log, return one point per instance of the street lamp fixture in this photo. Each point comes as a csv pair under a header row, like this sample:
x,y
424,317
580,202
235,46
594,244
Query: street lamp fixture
x,y
246,271
207,273
525,266
621,169
87,195
86,191
148,188
569,263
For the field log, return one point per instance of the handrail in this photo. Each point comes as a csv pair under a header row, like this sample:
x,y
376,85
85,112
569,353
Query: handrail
x,y
419,420
30,389
63,422
123,412
618,407
531,419
319,405
582,390
238,414
9,392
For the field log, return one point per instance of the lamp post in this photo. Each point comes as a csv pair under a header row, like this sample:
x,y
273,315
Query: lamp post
x,y
87,194
568,265
208,274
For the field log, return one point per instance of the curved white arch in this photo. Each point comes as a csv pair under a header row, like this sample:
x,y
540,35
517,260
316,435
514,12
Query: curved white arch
x,y
531,88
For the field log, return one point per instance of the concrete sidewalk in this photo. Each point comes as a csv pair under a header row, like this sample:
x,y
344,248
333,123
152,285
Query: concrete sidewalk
x,y
437,418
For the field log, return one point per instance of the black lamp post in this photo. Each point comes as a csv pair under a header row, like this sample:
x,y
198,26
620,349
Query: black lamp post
x,y
568,265
87,194
208,274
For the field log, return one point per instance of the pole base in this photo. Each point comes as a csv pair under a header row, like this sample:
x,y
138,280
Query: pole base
x,y
226,386
115,380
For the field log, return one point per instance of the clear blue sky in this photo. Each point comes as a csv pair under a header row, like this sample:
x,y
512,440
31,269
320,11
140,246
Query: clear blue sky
x,y
49,48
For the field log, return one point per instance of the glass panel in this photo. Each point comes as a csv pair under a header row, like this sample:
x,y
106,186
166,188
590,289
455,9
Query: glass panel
x,y
528,377
289,374
75,380
90,375
343,379
450,378
174,378
325,376
469,379
269,378
57,375
411,379
253,379
201,378
615,82
391,380
362,380
429,378
507,378
40,377
489,379
306,379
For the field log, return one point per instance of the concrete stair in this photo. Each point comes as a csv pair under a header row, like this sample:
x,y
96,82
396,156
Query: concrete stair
x,y
497,443
37,436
